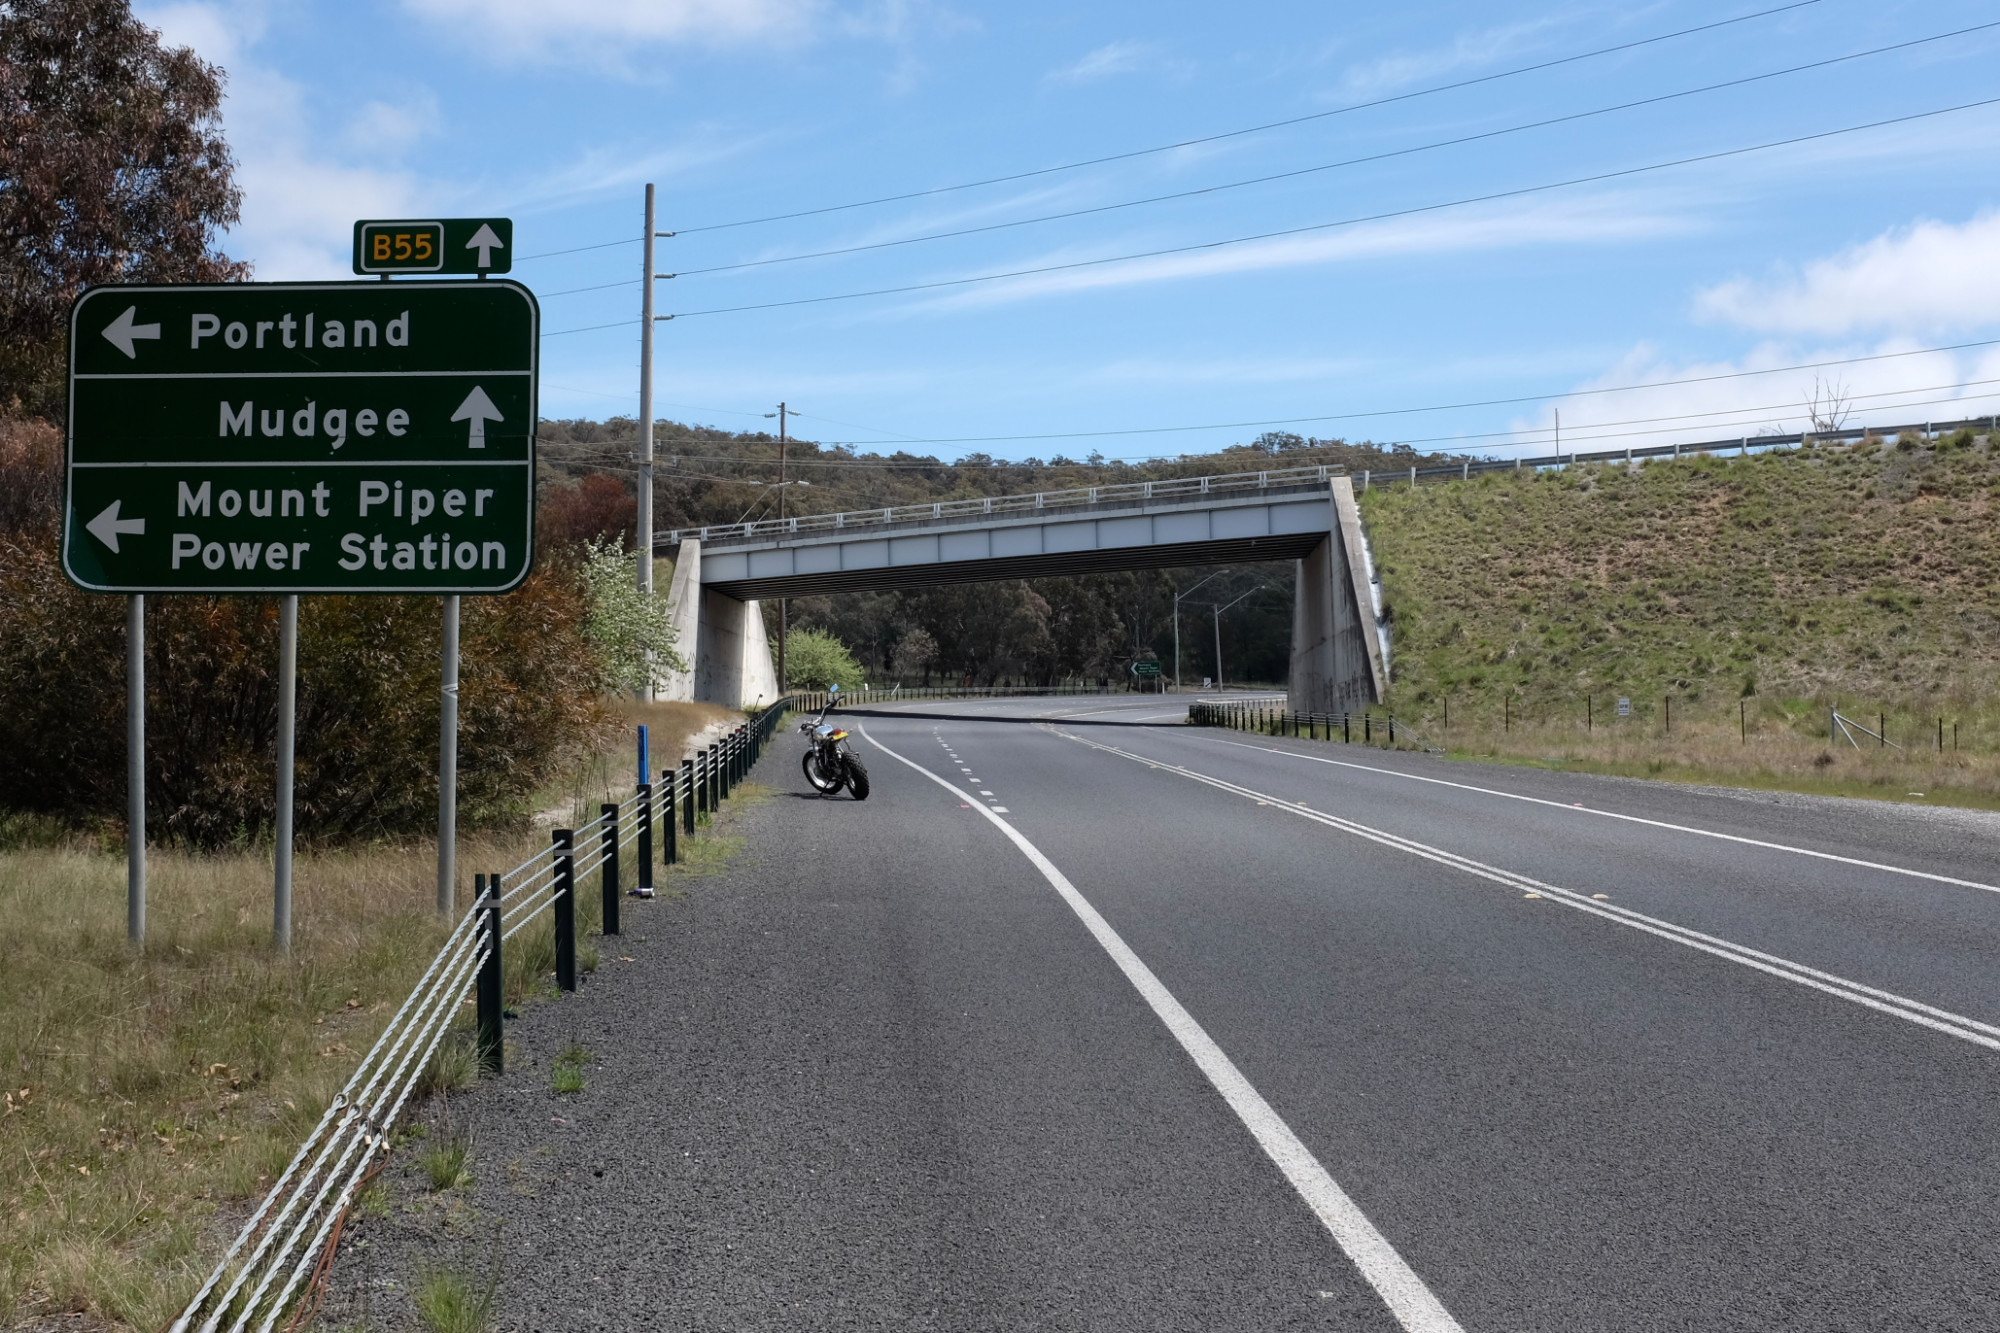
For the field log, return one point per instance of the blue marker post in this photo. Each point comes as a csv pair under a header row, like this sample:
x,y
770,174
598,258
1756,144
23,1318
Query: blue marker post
x,y
644,888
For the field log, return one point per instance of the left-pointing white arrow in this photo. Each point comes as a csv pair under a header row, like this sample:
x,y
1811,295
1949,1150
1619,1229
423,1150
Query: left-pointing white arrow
x,y
478,409
107,526
121,331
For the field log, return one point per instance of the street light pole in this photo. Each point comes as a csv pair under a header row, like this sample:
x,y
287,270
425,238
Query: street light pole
x,y
1178,594
1219,609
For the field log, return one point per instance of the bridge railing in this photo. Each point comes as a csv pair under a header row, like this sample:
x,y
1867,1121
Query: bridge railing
x,y
1009,504
1229,483
273,1269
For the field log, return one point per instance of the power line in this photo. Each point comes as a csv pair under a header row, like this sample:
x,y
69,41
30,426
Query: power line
x,y
1524,435
1328,226
1206,139
1301,171
1253,129
1378,413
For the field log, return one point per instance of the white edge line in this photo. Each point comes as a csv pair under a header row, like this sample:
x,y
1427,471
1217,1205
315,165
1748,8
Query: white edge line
x,y
1412,1303
1613,814
1888,1002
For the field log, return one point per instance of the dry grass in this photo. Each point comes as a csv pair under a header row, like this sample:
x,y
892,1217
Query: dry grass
x,y
610,774
148,1095
1775,749
1862,575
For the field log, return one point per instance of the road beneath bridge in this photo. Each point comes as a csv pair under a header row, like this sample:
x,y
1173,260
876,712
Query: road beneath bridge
x,y
1090,1020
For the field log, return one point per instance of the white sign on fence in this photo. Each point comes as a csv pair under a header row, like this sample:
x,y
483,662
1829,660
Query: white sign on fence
x,y
1624,707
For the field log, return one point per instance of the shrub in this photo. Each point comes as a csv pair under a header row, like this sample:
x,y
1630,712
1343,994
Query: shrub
x,y
628,629
814,659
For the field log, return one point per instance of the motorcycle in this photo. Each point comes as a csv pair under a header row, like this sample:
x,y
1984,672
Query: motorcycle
x,y
829,765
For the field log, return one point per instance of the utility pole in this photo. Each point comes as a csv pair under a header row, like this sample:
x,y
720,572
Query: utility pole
x,y
784,604
646,421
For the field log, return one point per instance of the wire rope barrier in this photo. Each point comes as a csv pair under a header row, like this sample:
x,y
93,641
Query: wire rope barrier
x,y
273,1269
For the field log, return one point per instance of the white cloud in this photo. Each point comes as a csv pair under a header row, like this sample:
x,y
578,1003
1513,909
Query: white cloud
x,y
387,129
1115,58
1927,277
1469,50
299,199
1726,404
1602,219
601,31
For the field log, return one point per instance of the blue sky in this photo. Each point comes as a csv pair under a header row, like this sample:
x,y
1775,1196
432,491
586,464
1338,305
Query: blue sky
x,y
1873,243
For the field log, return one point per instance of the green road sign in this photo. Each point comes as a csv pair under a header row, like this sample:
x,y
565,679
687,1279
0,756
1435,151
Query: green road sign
x,y
442,245
1145,668
302,437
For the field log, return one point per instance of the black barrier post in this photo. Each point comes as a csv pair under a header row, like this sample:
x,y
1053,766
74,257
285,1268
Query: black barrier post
x,y
670,826
644,888
492,1052
1346,728
610,821
687,797
565,908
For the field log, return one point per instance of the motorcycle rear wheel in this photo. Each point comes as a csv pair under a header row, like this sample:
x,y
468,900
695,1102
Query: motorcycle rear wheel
x,y
857,779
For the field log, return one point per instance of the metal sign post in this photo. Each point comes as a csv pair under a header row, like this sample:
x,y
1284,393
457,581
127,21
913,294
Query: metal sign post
x,y
288,681
135,768
287,438
448,763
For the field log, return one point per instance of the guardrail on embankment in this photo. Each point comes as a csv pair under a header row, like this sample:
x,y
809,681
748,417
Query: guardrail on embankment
x,y
273,1267
1268,719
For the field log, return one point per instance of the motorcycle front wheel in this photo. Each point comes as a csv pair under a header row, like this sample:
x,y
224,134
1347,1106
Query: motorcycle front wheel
x,y
809,762
857,779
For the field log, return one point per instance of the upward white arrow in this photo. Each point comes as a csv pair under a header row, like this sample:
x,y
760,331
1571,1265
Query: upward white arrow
x,y
478,409
485,242
107,526
121,331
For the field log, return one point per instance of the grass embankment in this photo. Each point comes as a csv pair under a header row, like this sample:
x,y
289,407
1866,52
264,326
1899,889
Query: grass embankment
x,y
150,1097
1741,596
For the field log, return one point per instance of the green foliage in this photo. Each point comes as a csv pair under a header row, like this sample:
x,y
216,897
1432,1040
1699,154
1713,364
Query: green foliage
x,y
112,169
567,1076
449,1302
815,659
627,628
447,1164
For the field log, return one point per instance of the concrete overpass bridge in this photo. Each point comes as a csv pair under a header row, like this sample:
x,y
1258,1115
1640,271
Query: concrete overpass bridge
x,y
1307,515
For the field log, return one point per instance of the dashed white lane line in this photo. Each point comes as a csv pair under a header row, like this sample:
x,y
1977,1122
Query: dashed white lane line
x,y
1887,1002
1613,814
1408,1299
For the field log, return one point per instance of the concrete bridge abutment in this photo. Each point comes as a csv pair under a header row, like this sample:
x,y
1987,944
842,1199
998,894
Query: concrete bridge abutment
x,y
722,639
1337,664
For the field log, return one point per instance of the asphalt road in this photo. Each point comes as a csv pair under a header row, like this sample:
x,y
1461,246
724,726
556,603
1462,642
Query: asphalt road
x,y
1090,1020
